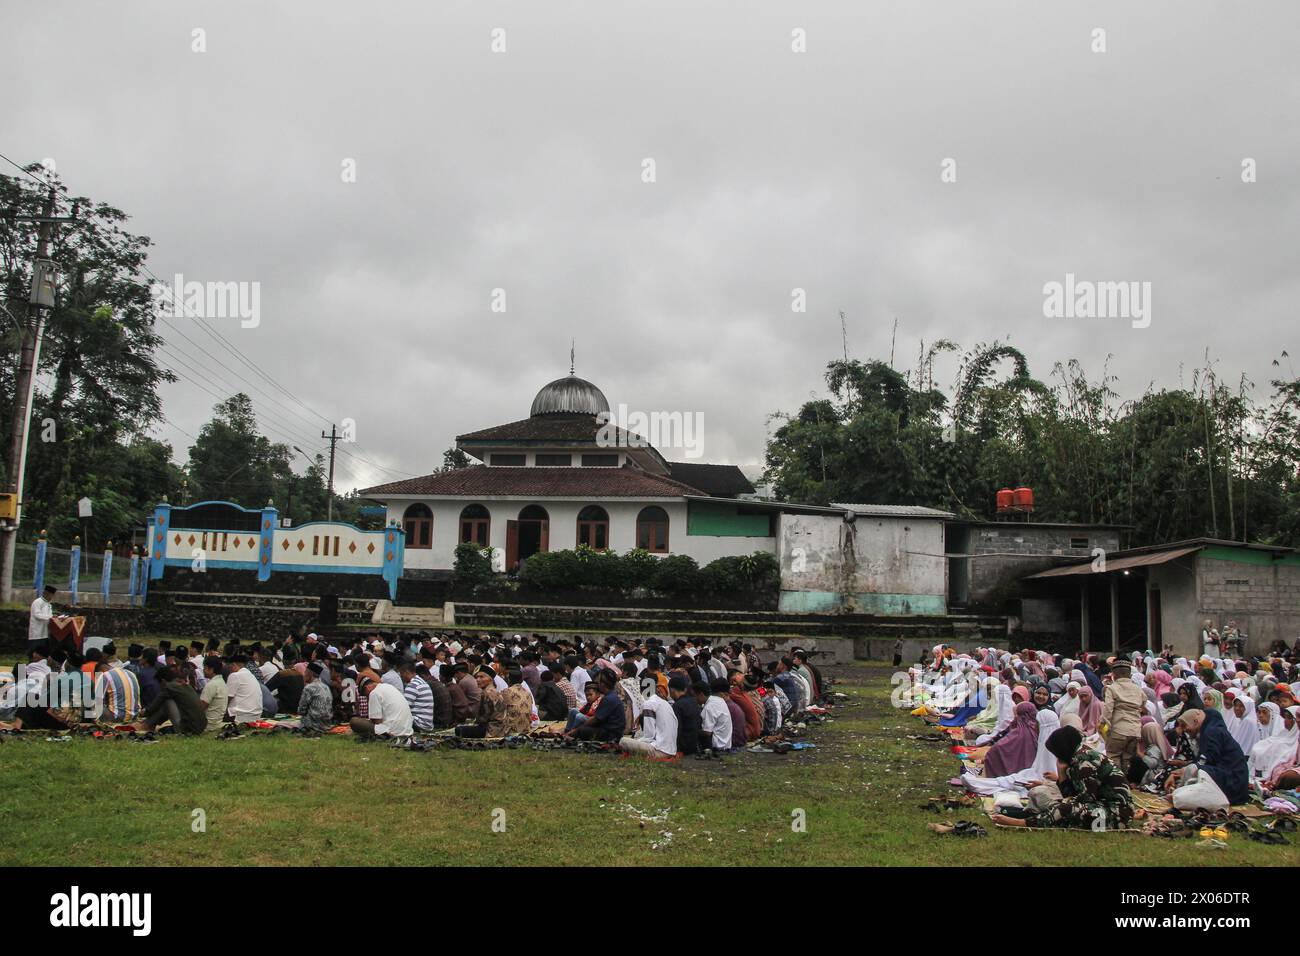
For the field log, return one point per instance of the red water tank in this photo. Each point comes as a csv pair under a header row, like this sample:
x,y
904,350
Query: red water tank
x,y
1024,499
1005,498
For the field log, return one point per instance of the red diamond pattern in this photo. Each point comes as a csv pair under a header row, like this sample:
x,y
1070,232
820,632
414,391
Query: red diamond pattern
x,y
371,547
353,547
301,545
191,539
284,545
178,539
251,542
236,542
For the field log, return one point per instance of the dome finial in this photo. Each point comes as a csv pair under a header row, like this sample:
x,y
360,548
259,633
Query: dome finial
x,y
571,365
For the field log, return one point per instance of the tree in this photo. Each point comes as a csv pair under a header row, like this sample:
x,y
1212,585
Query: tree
x,y
454,459
1208,460
232,461
89,429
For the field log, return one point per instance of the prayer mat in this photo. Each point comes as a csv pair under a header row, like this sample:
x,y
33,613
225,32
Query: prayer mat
x,y
990,810
1003,826
1150,802
1155,804
63,629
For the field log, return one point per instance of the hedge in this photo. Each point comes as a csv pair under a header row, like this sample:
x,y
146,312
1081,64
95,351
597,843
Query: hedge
x,y
675,573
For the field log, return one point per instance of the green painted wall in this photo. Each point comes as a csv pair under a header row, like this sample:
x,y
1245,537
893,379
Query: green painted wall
x,y
1246,556
722,521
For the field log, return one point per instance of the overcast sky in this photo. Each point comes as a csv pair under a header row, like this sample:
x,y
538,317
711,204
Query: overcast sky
x,y
774,170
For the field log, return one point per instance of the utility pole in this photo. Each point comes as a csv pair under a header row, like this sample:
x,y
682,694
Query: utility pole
x,y
41,298
333,437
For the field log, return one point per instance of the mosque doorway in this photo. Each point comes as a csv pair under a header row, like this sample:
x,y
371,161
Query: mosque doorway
x,y
527,536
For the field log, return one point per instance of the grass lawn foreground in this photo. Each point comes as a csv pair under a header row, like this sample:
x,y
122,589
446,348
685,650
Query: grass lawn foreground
x,y
285,800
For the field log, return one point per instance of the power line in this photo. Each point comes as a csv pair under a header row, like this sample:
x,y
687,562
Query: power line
x,y
235,351
26,172
251,385
174,353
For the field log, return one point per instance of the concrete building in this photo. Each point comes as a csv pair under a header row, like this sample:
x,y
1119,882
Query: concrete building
x,y
868,559
988,560
1163,595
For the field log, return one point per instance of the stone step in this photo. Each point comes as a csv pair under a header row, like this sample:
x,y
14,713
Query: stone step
x,y
387,614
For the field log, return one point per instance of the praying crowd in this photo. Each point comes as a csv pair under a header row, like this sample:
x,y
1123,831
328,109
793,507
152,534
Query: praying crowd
x,y
1076,742
648,698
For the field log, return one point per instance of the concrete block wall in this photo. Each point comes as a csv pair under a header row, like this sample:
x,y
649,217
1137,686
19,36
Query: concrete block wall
x,y
1263,599
1005,553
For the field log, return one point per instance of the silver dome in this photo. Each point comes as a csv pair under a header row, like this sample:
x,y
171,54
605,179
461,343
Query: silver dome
x,y
570,396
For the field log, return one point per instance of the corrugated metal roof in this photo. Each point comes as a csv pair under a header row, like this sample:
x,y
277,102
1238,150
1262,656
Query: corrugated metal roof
x,y
1118,564
894,511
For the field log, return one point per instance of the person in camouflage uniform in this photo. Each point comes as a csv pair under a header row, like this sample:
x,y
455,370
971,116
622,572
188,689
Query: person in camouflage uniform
x,y
1094,793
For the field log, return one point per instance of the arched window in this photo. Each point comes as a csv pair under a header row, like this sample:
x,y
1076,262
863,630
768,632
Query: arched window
x,y
593,527
475,526
418,524
652,530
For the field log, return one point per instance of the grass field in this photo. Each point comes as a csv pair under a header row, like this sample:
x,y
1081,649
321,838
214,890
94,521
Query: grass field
x,y
287,800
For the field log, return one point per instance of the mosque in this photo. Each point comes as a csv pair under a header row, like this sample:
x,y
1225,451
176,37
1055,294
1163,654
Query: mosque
x,y
554,480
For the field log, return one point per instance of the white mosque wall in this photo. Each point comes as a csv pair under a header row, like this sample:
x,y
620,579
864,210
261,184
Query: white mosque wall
x,y
563,528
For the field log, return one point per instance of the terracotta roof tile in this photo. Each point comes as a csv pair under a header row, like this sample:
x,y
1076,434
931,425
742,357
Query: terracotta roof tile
x,y
565,428
484,481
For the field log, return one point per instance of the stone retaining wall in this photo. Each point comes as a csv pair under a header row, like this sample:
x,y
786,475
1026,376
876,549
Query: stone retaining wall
x,y
246,624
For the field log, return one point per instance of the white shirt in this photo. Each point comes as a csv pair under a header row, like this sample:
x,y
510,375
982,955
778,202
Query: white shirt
x,y
245,696
38,629
715,717
579,679
659,724
390,711
268,670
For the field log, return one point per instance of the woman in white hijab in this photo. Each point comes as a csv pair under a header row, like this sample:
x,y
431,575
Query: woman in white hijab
x,y
1269,715
1020,781
1278,748
1245,727
1006,713
1068,703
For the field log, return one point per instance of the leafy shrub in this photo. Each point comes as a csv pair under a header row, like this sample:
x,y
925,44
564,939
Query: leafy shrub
x,y
598,569
677,573
473,565
638,567
584,567
755,573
